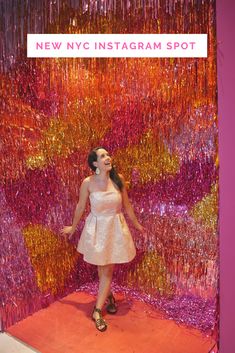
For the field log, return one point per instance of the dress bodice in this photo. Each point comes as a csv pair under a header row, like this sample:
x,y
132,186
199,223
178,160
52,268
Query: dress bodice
x,y
105,202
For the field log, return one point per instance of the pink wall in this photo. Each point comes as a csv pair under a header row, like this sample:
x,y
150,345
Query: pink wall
x,y
226,104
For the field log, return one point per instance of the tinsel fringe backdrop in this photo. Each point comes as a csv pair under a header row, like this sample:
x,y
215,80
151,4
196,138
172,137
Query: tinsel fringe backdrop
x,y
158,119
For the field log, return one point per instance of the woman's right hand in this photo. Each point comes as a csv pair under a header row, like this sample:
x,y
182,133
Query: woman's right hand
x,y
67,230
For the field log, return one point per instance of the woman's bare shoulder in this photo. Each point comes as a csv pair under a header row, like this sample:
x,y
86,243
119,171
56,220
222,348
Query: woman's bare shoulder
x,y
86,182
88,178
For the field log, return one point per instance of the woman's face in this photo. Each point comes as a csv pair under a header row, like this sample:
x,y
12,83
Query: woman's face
x,y
104,161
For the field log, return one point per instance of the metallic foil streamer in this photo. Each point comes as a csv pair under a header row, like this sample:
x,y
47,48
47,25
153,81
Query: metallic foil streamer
x,y
157,117
40,243
206,210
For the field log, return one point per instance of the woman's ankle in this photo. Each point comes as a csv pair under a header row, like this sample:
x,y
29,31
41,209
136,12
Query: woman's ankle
x,y
99,307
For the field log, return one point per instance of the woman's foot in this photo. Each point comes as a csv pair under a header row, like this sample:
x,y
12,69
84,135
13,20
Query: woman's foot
x,y
111,307
99,321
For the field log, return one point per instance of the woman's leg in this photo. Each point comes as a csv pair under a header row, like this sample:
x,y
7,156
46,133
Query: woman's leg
x,y
105,279
100,273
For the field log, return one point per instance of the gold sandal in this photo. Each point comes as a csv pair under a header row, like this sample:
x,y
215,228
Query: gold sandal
x,y
111,307
99,322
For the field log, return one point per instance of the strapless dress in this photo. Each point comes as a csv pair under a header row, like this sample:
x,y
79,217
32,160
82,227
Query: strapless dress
x,y
106,238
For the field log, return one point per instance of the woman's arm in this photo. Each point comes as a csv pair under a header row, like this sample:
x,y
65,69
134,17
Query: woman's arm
x,y
129,208
83,196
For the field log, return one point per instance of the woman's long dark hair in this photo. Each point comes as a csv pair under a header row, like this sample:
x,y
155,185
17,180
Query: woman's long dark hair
x,y
92,157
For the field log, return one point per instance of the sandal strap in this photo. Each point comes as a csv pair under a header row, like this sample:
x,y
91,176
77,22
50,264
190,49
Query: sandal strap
x,y
100,322
112,300
97,310
111,297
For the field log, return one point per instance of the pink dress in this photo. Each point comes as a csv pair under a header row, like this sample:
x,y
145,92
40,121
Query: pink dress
x,y
106,238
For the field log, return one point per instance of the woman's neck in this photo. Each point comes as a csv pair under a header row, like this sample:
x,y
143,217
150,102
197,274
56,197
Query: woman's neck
x,y
103,176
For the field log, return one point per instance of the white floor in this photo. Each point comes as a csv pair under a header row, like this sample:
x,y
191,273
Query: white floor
x,y
10,344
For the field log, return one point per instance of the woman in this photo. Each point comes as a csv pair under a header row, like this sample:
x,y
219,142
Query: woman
x,y
105,239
